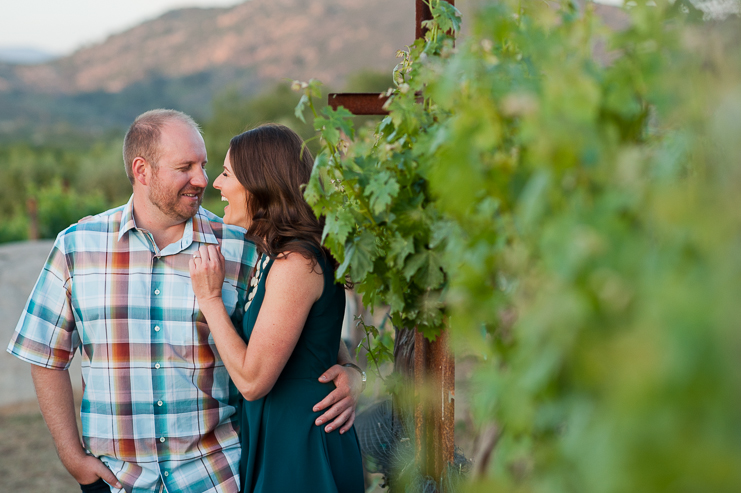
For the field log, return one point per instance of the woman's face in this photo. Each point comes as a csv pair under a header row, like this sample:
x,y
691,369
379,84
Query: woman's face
x,y
233,192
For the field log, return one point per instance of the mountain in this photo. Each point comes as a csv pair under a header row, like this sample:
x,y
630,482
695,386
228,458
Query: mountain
x,y
184,57
24,55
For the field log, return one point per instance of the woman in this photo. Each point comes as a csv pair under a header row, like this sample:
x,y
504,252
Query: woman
x,y
292,321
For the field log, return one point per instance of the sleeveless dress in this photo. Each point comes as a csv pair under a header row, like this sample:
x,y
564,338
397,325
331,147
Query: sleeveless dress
x,y
282,449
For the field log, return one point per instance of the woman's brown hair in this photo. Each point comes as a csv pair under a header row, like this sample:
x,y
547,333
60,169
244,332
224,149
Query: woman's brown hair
x,y
272,163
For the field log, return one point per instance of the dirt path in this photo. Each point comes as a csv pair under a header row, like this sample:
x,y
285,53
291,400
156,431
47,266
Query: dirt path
x,y
28,460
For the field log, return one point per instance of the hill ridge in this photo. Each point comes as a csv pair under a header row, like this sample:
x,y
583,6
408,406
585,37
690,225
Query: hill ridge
x,y
325,39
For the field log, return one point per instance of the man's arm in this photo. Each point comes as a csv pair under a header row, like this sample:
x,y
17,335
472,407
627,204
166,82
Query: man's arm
x,y
54,392
344,399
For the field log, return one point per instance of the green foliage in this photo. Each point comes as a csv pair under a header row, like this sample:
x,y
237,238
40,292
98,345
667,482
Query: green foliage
x,y
91,178
379,217
376,345
564,198
14,229
58,207
369,81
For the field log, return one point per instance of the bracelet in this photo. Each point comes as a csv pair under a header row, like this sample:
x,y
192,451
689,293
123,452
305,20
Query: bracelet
x,y
362,373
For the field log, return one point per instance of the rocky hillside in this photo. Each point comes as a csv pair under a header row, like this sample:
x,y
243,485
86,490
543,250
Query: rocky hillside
x,y
185,56
326,39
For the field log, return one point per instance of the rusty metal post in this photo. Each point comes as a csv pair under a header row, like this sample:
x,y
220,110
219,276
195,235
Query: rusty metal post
x,y
442,368
360,103
365,103
434,366
421,346
423,14
434,413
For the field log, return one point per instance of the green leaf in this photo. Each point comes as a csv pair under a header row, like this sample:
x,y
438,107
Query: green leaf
x,y
300,107
426,268
446,15
342,268
399,249
333,122
314,88
429,314
338,224
396,292
364,253
382,188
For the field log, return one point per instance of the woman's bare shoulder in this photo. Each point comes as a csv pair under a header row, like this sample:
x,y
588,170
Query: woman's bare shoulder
x,y
295,260
293,270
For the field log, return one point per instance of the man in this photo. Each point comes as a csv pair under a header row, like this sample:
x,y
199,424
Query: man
x,y
158,412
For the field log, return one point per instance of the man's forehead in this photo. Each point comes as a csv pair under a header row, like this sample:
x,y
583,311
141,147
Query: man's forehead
x,y
181,136
178,128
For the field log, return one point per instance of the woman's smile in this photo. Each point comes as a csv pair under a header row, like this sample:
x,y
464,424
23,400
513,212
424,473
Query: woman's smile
x,y
234,194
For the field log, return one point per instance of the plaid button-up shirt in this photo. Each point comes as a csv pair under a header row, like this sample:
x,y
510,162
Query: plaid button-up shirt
x,y
157,405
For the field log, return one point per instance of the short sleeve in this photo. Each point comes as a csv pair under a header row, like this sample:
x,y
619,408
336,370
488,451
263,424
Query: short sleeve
x,y
46,334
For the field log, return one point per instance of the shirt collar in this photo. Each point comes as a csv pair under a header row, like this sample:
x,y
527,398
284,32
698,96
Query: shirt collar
x,y
127,218
197,229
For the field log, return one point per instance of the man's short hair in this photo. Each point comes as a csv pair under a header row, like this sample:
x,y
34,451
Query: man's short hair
x,y
143,137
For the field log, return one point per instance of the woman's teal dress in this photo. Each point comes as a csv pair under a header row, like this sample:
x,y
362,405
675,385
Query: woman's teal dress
x,y
282,449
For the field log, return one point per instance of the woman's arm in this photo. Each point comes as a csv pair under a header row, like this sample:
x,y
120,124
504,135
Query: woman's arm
x,y
291,289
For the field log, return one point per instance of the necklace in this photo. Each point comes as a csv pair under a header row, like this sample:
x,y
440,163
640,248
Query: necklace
x,y
259,269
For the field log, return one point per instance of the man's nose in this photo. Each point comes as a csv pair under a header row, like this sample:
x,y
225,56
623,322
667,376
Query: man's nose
x,y
199,178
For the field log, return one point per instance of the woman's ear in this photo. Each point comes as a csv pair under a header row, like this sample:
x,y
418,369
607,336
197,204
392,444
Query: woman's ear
x,y
141,170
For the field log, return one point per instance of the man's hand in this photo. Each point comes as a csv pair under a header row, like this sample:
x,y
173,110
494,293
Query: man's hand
x,y
343,399
86,469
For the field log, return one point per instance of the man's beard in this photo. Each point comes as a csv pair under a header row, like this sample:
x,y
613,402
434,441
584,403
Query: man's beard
x,y
169,203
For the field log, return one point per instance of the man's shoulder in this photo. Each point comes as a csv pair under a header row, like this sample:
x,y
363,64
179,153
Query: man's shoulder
x,y
99,223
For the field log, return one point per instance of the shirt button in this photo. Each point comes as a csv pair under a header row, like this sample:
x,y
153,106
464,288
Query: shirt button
x,y
157,366
156,291
167,473
156,328
162,439
159,403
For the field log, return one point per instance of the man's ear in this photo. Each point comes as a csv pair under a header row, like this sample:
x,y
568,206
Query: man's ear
x,y
141,170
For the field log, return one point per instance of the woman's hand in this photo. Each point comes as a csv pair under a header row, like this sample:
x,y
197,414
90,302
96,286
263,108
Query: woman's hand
x,y
207,274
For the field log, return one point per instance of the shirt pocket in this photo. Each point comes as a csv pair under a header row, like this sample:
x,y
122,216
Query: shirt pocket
x,y
187,323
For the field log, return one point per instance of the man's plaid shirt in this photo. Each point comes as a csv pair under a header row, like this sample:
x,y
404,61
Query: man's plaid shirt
x,y
158,405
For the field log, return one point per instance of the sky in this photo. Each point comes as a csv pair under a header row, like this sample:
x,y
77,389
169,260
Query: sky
x,y
62,26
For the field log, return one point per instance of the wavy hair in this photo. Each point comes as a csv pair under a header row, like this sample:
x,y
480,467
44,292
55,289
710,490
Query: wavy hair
x,y
272,164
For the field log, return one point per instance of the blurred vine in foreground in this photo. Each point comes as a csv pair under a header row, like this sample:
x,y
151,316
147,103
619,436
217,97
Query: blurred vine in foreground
x,y
565,197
